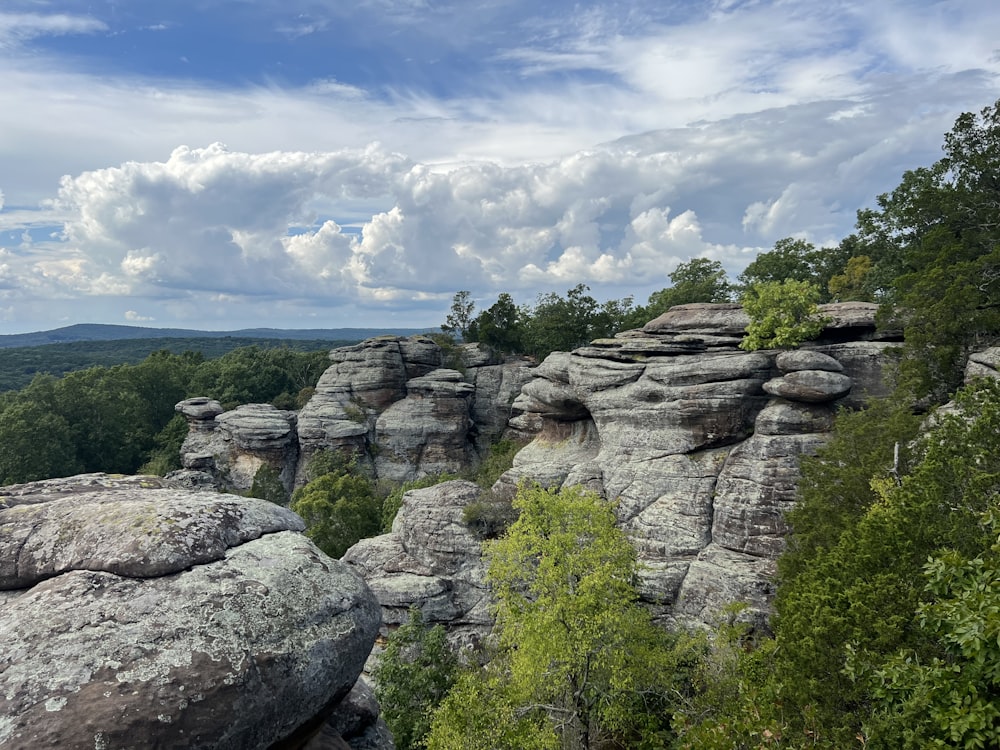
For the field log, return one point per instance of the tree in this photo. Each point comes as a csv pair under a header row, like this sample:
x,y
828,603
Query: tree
x,y
783,314
459,320
855,602
951,700
339,509
579,660
35,443
797,260
415,671
935,245
502,325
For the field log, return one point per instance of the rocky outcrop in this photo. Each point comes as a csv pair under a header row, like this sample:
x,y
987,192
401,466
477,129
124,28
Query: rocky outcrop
x,y
136,612
430,560
387,402
697,441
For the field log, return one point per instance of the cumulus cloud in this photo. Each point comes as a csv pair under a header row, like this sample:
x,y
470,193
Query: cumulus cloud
x,y
631,140
133,317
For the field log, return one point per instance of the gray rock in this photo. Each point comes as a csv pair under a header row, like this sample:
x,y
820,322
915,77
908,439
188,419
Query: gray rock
x,y
697,318
169,618
812,386
849,315
429,431
781,417
200,412
430,560
806,359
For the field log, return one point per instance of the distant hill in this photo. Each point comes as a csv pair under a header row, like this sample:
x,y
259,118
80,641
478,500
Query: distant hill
x,y
100,332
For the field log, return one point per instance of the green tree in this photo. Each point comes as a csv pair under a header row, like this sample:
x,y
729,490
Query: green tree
x,y
951,700
579,660
415,671
797,260
565,323
459,321
35,443
501,326
783,314
859,594
339,509
935,245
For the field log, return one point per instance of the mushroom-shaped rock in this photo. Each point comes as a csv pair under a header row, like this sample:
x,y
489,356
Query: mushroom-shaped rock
x,y
813,386
200,412
163,617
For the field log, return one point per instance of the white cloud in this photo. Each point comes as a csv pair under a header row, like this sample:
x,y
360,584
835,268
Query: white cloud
x,y
133,317
724,126
20,27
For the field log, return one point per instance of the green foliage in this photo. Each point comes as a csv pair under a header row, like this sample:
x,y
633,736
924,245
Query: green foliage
x,y
267,485
563,324
35,444
415,671
166,453
951,700
783,314
252,375
490,518
499,460
855,283
579,660
501,326
933,242
861,593
339,509
797,260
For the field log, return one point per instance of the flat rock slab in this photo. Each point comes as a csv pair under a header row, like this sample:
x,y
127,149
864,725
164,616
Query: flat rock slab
x,y
811,386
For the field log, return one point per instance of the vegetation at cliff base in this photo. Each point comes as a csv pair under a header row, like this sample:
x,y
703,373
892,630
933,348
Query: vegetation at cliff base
x,y
578,662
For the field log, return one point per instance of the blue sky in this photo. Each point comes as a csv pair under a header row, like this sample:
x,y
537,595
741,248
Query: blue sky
x,y
221,164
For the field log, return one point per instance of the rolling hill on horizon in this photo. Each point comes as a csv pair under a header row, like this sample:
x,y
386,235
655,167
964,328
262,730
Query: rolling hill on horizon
x,y
106,332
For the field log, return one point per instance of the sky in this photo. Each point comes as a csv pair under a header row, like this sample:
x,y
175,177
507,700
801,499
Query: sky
x,y
225,164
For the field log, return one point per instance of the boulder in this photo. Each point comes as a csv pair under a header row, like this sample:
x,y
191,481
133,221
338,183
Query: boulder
x,y
806,359
701,318
429,431
812,386
139,612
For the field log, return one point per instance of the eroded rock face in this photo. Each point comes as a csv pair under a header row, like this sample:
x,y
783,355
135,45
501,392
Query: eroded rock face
x,y
387,403
697,441
136,613
430,560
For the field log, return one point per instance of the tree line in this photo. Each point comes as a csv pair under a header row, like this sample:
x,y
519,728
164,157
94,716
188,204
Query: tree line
x,y
886,625
121,419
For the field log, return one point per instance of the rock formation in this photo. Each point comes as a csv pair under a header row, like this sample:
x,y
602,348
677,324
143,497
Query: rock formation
x,y
388,401
697,441
137,613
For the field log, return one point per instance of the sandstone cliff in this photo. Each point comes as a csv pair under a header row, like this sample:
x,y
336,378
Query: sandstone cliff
x,y
695,440
389,401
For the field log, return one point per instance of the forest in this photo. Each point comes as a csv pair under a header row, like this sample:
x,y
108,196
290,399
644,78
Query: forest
x,y
886,624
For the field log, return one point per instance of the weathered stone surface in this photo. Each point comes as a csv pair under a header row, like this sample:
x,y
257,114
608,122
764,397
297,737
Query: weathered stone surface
x,y
813,386
781,417
806,359
497,388
719,577
849,314
755,488
984,364
430,560
429,431
200,412
130,531
168,618
718,320
864,363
